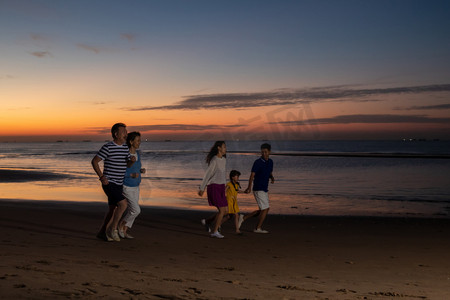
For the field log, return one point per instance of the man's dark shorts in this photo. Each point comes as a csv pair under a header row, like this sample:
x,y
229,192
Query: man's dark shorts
x,y
114,193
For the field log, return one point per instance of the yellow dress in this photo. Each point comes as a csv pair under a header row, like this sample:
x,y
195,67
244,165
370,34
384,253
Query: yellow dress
x,y
232,192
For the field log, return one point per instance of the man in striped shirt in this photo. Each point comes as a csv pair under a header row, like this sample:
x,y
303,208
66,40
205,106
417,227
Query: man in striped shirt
x,y
116,157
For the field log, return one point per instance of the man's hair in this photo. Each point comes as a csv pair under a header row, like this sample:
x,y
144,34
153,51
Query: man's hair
x,y
266,146
115,129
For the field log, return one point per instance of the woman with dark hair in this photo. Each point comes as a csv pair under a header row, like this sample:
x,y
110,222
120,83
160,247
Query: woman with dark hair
x,y
131,184
214,182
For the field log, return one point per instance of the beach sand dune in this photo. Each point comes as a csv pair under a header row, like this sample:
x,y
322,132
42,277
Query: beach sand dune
x,y
49,251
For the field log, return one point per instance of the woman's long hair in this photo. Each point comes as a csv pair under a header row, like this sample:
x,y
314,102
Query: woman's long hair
x,y
213,152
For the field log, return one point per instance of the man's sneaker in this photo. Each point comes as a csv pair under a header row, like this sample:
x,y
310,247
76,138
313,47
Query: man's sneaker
x,y
259,230
128,236
121,233
217,235
241,220
206,225
115,235
108,236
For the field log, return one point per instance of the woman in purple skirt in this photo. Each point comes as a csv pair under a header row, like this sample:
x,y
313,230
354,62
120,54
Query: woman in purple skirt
x,y
214,182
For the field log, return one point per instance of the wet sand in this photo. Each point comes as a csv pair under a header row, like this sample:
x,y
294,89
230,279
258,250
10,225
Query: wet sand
x,y
49,251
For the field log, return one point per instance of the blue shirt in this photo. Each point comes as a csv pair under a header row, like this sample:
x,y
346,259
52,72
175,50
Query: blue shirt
x,y
262,169
135,168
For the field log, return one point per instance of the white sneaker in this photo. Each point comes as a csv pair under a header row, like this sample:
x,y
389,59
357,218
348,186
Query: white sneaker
x,y
115,235
121,233
128,236
203,221
241,220
108,236
217,235
259,230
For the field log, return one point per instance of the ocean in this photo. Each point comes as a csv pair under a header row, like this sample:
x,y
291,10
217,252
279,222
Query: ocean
x,y
408,178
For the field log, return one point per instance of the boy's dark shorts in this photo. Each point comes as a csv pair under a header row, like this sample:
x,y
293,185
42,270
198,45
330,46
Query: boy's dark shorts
x,y
114,193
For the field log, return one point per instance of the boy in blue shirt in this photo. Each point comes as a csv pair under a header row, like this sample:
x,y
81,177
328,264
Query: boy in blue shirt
x,y
261,174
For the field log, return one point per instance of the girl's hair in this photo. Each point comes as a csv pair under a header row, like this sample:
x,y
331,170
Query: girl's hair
x,y
213,152
234,173
131,136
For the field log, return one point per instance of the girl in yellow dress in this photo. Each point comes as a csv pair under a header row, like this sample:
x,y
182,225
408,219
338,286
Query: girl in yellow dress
x,y
232,190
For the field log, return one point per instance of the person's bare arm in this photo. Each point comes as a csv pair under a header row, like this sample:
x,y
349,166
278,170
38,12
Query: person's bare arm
x,y
250,183
95,164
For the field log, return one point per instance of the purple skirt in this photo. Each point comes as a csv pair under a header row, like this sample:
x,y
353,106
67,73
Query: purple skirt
x,y
216,195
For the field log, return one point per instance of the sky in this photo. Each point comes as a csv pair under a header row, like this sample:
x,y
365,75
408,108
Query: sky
x,y
213,70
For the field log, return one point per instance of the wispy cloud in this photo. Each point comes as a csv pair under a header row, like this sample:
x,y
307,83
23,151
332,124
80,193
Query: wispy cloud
x,y
41,54
38,37
368,119
426,107
128,36
183,127
287,97
169,127
90,48
19,108
6,77
101,102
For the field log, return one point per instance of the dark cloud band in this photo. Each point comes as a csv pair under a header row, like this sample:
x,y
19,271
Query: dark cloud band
x,y
287,97
369,119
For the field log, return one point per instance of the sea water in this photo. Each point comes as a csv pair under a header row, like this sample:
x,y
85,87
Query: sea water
x,y
356,178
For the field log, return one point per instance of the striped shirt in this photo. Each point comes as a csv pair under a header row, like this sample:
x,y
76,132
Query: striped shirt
x,y
115,158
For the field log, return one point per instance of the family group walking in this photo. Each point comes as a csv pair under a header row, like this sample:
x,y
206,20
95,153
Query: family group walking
x,y
121,177
223,196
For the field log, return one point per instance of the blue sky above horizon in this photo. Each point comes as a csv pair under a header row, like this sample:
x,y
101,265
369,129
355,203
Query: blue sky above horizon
x,y
178,68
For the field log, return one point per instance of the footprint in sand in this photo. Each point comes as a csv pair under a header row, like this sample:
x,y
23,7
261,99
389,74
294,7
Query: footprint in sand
x,y
193,290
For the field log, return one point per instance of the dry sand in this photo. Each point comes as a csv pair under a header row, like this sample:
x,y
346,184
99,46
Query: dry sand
x,y
49,250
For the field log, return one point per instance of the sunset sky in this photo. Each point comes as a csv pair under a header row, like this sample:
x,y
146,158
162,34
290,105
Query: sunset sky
x,y
225,69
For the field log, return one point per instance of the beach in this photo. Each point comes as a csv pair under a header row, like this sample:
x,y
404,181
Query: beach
x,y
49,250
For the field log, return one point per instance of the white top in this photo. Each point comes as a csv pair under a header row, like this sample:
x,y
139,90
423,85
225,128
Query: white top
x,y
216,172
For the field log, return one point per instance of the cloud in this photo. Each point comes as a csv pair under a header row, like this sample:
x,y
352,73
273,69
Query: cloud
x,y
39,37
41,54
167,127
368,119
6,77
19,108
90,48
183,127
287,97
128,36
101,102
427,107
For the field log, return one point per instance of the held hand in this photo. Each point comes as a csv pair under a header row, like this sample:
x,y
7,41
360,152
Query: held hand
x,y
133,159
143,170
135,175
200,193
247,191
272,181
